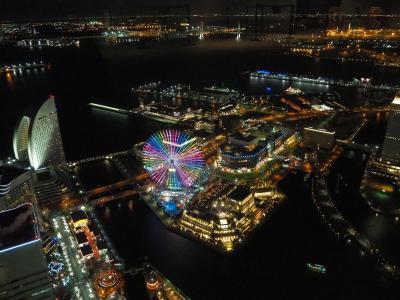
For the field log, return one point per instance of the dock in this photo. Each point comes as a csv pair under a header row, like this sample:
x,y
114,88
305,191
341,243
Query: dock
x,y
110,108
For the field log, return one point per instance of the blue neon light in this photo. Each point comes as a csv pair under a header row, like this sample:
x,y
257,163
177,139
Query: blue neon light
x,y
20,245
171,208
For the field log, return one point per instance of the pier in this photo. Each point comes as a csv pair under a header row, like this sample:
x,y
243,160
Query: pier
x,y
109,108
22,67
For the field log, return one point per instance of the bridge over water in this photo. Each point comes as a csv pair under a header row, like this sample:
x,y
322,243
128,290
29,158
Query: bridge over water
x,y
357,146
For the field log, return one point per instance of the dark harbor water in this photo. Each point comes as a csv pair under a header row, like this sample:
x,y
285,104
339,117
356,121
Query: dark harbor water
x,y
273,262
104,74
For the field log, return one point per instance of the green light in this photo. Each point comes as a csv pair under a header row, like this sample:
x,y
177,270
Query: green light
x,y
380,195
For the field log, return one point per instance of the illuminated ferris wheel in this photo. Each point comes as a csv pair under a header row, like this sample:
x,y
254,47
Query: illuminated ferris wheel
x,y
173,159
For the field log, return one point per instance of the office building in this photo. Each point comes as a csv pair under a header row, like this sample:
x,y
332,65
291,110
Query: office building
x,y
15,188
381,183
320,138
23,269
391,144
52,185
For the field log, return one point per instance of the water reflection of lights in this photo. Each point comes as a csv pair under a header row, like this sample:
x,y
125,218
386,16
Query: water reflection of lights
x,y
378,227
130,205
379,186
9,77
107,213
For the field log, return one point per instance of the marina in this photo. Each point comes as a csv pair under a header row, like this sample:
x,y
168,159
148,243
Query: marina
x,y
290,242
22,67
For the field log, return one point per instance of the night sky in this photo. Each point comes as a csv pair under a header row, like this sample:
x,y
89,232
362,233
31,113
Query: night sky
x,y
33,9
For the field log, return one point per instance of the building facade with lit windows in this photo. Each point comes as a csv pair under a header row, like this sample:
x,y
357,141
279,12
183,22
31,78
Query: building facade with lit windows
x,y
318,137
37,139
216,228
381,182
52,185
198,223
17,191
240,200
223,222
21,139
23,269
391,144
243,152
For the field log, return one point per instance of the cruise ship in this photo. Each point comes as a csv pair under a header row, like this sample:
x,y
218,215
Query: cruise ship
x,y
264,74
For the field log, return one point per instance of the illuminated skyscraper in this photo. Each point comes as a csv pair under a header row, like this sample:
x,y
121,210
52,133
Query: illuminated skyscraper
x,y
391,145
20,141
37,139
381,183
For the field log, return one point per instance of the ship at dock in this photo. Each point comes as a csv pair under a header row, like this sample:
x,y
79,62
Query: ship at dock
x,y
264,74
178,104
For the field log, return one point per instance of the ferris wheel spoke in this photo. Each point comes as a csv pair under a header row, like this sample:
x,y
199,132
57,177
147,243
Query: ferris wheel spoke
x,y
173,159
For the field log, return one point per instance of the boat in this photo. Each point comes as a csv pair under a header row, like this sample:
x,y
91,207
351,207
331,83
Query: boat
x,y
316,268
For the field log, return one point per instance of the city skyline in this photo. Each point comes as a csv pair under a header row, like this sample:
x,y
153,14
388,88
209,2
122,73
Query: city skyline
x,y
179,155
30,10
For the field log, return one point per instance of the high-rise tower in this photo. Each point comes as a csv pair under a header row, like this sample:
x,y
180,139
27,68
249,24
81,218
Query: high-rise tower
x,y
20,141
37,138
381,183
391,145
45,143
23,268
